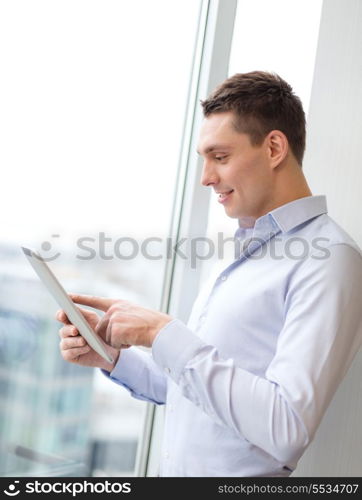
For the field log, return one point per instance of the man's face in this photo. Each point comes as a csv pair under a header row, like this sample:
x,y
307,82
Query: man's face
x,y
237,171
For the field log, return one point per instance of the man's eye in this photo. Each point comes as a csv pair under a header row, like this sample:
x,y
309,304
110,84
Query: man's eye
x,y
220,158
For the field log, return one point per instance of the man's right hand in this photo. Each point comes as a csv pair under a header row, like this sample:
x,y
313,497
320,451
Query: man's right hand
x,y
75,349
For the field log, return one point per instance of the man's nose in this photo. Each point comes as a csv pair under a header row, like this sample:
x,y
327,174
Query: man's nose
x,y
209,176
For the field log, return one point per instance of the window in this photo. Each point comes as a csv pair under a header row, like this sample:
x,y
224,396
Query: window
x,y
92,110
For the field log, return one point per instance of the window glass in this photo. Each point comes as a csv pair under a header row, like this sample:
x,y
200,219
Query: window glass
x,y
92,103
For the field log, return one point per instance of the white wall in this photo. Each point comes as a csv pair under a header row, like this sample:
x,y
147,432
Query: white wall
x,y
333,166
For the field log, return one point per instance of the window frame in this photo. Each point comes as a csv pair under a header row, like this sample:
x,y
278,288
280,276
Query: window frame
x,y
191,200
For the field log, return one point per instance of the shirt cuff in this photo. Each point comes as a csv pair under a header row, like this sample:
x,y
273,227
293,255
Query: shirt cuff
x,y
127,369
174,346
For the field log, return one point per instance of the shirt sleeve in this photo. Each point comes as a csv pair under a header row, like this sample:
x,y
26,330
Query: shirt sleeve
x,y
321,335
137,372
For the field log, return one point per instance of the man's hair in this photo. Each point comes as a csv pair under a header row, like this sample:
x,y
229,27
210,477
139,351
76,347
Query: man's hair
x,y
261,102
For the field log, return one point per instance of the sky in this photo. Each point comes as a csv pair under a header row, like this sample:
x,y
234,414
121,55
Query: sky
x,y
93,102
92,109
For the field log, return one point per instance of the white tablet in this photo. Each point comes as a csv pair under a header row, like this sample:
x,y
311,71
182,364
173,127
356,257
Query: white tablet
x,y
64,301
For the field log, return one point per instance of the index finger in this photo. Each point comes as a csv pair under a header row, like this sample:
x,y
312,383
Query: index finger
x,y
62,317
101,303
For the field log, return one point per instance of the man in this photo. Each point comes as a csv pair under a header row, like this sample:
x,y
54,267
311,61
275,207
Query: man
x,y
247,381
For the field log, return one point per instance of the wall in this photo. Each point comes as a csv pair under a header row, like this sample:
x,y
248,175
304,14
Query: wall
x,y
333,166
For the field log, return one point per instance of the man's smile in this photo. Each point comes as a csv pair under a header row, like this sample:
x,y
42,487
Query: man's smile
x,y
224,195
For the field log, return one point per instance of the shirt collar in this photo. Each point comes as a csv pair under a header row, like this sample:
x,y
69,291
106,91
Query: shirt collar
x,y
296,212
286,217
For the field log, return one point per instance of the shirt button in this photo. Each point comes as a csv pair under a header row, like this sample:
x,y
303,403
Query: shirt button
x,y
167,369
202,318
223,277
167,455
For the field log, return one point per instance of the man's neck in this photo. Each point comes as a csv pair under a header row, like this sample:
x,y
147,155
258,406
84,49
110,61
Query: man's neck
x,y
290,185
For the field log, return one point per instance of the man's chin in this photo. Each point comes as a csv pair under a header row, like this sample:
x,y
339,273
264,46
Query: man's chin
x,y
231,213
244,220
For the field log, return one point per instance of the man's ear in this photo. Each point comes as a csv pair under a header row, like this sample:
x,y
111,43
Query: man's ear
x,y
277,147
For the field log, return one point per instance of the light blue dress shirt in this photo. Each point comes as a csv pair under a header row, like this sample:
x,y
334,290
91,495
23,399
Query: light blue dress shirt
x,y
269,339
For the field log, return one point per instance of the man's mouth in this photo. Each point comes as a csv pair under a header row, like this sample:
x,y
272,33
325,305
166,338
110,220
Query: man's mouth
x,y
223,196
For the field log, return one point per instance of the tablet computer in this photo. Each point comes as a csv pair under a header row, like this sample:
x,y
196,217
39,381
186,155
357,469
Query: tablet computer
x,y
60,295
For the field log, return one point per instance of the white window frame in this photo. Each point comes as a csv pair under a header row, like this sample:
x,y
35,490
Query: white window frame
x,y
191,205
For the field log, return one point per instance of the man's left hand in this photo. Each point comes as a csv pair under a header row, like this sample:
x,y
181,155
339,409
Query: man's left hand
x,y
124,323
